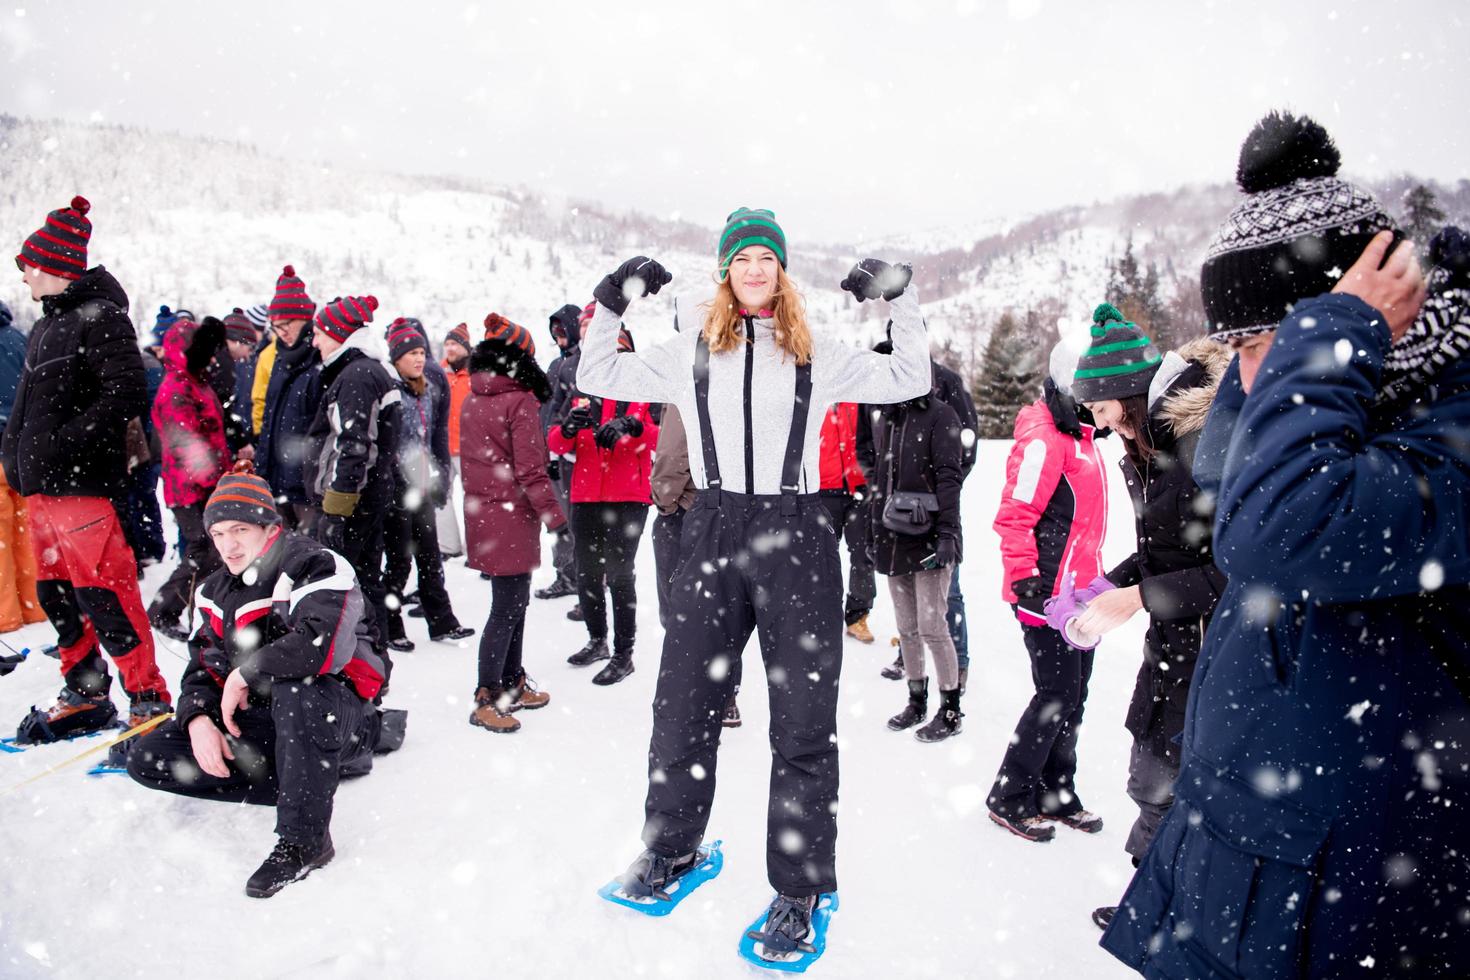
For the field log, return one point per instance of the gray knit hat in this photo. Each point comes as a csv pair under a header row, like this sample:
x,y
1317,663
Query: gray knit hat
x,y
1121,361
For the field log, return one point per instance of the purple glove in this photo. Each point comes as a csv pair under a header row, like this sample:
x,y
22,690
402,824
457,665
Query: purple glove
x,y
1063,608
1094,589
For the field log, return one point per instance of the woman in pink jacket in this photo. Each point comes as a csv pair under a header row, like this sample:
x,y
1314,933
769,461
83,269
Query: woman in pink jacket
x,y
1052,515
507,499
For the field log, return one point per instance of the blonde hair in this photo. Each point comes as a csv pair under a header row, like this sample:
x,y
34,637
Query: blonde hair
x,y
724,328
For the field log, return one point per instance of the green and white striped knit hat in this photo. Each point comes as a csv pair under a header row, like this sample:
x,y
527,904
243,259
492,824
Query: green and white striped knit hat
x,y
1120,363
746,227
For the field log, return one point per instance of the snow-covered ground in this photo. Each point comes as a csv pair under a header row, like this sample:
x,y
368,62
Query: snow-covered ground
x,y
474,854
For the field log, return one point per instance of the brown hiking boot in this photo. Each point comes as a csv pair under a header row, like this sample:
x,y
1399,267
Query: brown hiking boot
x,y
147,706
523,694
859,630
490,715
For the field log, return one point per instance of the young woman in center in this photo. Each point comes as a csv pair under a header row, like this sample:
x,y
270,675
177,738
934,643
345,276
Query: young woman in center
x,y
758,550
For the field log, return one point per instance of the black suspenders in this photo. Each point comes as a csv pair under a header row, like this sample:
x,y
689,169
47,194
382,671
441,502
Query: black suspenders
x,y
795,442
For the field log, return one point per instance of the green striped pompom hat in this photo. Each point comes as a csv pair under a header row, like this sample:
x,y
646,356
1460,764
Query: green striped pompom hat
x,y
1120,363
746,227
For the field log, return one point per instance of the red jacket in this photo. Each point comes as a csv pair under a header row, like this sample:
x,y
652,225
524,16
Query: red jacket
x,y
190,424
839,465
1053,511
617,475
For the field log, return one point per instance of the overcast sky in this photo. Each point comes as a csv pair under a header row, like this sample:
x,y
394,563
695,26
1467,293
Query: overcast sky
x,y
849,119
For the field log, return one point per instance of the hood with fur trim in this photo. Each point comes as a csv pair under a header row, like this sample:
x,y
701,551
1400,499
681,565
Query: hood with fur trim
x,y
1185,411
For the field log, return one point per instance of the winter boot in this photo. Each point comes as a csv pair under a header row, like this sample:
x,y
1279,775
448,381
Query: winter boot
x,y
454,635
650,875
401,643
916,710
620,666
1083,820
788,924
946,721
731,717
557,589
289,862
894,671
859,631
73,714
491,712
523,694
595,650
575,614
1103,917
145,707
1033,828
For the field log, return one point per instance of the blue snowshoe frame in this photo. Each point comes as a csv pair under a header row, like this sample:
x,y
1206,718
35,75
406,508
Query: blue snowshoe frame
x,y
711,861
799,961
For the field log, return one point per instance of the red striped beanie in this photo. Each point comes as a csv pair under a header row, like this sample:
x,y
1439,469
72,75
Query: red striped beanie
x,y
290,301
241,497
59,247
405,335
238,327
345,315
460,335
498,328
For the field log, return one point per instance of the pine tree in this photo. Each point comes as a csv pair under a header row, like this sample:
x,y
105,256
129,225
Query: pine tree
x,y
1423,217
1009,378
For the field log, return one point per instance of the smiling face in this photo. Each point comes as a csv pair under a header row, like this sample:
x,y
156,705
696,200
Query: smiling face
x,y
239,543
1109,414
753,277
1251,351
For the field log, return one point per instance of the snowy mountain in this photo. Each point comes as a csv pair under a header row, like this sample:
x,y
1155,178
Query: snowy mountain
x,y
207,225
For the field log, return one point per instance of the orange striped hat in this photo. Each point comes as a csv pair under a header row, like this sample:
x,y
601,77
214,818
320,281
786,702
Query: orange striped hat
x,y
510,334
241,497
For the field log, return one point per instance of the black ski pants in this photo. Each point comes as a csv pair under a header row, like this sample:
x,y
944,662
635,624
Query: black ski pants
x,y
289,755
606,537
766,564
363,549
411,536
504,633
850,517
197,563
1039,771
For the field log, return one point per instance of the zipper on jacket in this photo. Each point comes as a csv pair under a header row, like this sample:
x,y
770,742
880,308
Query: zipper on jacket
x,y
749,423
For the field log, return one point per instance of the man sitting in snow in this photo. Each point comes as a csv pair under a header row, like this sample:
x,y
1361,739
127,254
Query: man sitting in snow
x,y
277,700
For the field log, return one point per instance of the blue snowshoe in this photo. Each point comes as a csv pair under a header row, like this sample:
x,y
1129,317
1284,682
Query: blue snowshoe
x,y
655,885
791,934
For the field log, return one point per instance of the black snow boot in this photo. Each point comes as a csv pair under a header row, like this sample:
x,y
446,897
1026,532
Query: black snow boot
x,y
289,862
894,671
595,650
651,874
561,587
916,710
73,714
619,667
946,720
788,925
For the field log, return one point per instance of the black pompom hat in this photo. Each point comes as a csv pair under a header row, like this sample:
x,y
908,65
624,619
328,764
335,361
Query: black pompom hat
x,y
1298,230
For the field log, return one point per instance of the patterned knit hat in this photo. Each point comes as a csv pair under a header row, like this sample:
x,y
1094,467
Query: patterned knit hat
x,y
746,227
1298,230
259,316
460,335
239,328
1121,361
290,301
161,323
405,334
345,315
59,247
241,497
501,330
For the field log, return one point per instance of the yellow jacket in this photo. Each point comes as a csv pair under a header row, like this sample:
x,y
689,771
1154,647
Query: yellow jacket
x,y
263,365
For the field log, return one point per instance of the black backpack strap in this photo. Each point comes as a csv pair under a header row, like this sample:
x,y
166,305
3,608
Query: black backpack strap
x,y
796,441
701,402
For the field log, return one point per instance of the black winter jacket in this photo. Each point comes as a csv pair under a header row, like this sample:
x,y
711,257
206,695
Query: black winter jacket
x,y
83,382
918,448
1173,564
950,389
291,400
306,617
353,437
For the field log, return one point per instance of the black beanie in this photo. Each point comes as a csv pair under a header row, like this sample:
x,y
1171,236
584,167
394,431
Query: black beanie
x,y
1121,362
1298,230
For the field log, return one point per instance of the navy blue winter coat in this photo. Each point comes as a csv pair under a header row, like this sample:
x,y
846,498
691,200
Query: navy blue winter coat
x,y
12,362
291,401
1322,817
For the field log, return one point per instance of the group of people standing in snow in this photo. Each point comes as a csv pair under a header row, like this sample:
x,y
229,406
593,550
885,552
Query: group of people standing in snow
x,y
1298,478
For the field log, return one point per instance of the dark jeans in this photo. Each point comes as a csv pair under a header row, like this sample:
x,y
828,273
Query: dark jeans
x,y
198,562
411,536
959,629
501,641
1039,770
730,587
288,756
606,536
144,519
850,517
1150,785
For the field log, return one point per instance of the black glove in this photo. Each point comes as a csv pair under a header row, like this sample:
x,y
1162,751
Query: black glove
x,y
439,495
1031,594
872,278
331,531
553,469
947,554
577,420
616,428
648,272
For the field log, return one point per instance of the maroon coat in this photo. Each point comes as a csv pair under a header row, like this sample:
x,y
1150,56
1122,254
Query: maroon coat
x,y
502,451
